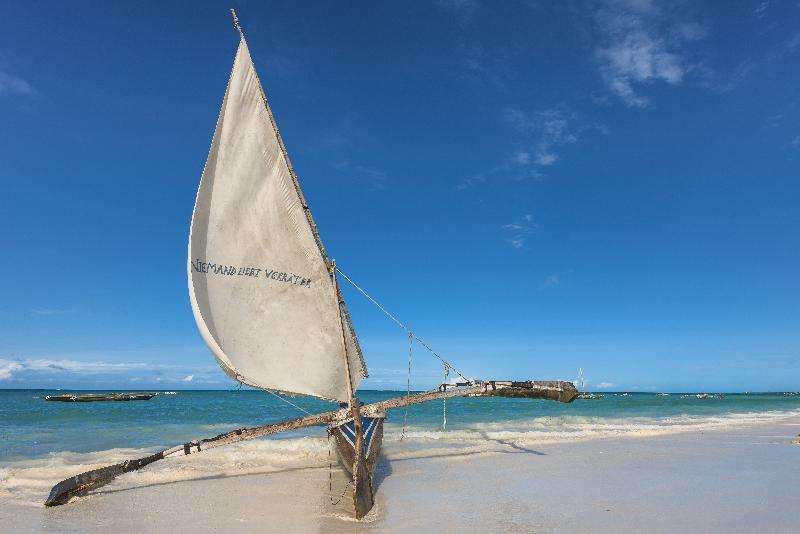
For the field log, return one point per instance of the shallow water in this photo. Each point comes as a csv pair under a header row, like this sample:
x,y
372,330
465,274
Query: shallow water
x,y
33,428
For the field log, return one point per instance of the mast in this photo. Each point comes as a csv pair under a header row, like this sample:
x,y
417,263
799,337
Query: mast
x,y
344,314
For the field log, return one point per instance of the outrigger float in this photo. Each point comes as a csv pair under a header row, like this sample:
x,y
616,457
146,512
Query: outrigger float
x,y
290,333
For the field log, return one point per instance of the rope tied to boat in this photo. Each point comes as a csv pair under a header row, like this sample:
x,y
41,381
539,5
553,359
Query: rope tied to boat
x,y
408,383
444,399
287,401
330,476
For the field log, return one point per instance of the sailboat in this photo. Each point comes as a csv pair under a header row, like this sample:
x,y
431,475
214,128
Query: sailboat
x,y
267,301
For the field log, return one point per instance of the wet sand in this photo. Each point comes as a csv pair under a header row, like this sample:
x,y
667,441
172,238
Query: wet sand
x,y
739,479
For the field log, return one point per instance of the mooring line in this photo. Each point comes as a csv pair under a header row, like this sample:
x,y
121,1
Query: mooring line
x,y
401,325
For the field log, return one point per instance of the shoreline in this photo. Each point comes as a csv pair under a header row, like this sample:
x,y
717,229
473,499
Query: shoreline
x,y
732,478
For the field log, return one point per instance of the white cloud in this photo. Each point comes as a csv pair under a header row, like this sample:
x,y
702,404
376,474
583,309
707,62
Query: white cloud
x,y
462,9
641,44
49,311
466,183
68,371
8,368
45,365
11,84
517,241
543,132
551,281
546,158
761,10
374,178
604,385
794,42
517,232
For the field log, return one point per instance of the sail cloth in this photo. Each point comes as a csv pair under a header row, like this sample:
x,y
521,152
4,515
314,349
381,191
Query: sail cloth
x,y
260,288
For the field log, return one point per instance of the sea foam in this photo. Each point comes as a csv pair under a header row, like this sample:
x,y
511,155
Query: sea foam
x,y
28,481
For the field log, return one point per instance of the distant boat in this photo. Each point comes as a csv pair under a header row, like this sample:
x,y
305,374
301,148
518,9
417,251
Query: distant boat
x,y
98,397
581,383
662,394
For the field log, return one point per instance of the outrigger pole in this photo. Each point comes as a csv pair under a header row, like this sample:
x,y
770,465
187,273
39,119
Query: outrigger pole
x,y
85,482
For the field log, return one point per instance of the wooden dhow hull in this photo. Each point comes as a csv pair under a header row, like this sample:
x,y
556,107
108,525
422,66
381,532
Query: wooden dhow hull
x,y
358,449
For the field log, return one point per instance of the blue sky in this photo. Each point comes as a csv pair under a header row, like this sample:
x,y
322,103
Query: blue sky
x,y
534,187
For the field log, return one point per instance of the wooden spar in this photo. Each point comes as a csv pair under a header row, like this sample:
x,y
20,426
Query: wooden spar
x,y
550,390
236,22
362,483
80,484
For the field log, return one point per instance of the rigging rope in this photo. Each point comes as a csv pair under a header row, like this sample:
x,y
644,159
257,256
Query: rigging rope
x,y
408,383
287,401
330,476
401,325
444,399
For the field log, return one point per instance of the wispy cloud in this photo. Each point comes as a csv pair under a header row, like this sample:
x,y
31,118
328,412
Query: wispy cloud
x,y
724,82
543,133
50,311
541,136
463,10
471,181
551,281
794,43
64,371
375,179
641,45
486,64
604,385
761,10
546,131
518,232
10,367
11,84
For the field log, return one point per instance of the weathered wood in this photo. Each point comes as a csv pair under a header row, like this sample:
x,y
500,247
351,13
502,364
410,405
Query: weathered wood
x,y
77,485
359,460
549,390
97,397
541,389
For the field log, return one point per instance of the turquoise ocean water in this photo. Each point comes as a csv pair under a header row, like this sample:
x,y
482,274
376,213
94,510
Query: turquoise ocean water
x,y
32,428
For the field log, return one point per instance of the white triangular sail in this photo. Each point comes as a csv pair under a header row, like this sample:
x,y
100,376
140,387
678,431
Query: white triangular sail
x,y
259,285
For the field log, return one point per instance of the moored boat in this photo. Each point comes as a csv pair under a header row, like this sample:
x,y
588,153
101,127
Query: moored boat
x,y
99,397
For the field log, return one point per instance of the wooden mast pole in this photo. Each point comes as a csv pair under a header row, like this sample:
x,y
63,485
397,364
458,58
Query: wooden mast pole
x,y
236,22
362,485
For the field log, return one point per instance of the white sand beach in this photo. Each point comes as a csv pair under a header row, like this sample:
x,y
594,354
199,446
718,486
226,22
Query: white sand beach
x,y
740,478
